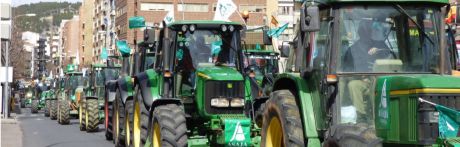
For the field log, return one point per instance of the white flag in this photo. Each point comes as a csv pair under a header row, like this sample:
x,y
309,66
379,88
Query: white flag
x,y
169,18
224,9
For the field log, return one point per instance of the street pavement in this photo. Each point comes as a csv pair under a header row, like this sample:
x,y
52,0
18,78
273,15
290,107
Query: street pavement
x,y
40,131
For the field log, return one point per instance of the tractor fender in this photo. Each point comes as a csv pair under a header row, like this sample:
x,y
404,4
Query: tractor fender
x,y
125,87
299,88
111,90
163,101
148,87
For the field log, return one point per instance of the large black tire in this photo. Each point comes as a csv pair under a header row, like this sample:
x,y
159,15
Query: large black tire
x,y
108,122
170,121
282,125
47,108
34,107
64,112
141,122
92,115
129,113
345,135
53,109
119,122
82,115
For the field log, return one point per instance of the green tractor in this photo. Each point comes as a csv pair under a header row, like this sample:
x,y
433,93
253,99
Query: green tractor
x,y
39,100
359,73
58,90
47,97
196,95
27,100
262,66
93,102
69,101
110,75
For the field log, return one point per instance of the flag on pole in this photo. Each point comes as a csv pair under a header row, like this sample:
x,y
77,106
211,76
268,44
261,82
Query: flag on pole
x,y
169,18
274,21
276,32
449,120
123,47
104,54
224,9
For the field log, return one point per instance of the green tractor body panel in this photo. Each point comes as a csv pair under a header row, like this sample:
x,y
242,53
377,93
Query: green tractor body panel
x,y
157,83
218,73
401,93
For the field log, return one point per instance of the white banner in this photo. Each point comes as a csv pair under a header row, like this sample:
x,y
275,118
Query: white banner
x,y
224,9
3,74
169,18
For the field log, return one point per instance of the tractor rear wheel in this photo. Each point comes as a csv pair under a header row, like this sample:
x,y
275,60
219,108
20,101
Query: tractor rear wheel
x,y
118,121
34,107
92,115
64,113
168,127
140,125
351,135
53,110
129,107
82,115
108,110
282,126
47,108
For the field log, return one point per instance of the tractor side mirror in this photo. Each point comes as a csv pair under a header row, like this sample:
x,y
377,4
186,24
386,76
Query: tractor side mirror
x,y
285,49
309,18
267,39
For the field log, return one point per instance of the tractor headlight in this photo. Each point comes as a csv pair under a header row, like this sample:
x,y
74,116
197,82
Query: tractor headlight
x,y
237,102
219,102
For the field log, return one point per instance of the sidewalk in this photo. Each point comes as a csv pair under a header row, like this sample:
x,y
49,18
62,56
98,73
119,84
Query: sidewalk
x,y
11,132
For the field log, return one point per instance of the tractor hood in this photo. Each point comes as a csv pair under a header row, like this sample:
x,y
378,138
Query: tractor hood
x,y
408,82
219,73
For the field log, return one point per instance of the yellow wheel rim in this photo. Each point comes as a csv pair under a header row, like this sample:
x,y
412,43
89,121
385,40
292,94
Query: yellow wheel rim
x,y
128,134
86,117
116,125
80,115
274,136
136,123
156,139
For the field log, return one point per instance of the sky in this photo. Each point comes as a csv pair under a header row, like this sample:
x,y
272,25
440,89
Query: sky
x,y
20,2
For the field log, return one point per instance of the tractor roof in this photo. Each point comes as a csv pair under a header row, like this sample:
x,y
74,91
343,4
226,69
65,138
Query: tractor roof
x,y
253,51
203,23
98,65
74,73
384,1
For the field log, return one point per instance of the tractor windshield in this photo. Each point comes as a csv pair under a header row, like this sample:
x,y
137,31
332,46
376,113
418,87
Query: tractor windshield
x,y
111,73
206,46
261,64
389,39
99,78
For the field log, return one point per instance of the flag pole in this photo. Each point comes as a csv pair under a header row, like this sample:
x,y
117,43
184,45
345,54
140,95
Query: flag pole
x,y
425,101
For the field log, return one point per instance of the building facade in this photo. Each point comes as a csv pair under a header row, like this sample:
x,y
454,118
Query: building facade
x,y
70,42
86,33
155,10
103,28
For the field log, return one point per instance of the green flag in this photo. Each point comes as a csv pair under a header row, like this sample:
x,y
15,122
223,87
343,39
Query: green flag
x,y
123,47
104,54
277,32
136,22
449,121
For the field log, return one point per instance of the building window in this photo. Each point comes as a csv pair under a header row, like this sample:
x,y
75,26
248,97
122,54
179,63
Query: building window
x,y
157,7
252,8
285,10
193,7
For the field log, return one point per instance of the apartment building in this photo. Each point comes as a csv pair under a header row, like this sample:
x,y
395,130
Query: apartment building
x,y
155,10
70,41
86,33
103,28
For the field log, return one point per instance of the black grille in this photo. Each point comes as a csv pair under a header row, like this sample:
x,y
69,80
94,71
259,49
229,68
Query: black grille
x,y
215,89
428,130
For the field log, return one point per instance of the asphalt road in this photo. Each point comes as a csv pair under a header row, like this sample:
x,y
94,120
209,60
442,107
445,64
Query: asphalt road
x,y
40,131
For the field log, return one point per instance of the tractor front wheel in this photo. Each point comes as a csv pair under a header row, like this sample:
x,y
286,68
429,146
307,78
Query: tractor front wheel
x,y
53,110
64,113
282,126
108,110
34,107
351,135
128,126
118,122
141,122
47,108
168,127
92,115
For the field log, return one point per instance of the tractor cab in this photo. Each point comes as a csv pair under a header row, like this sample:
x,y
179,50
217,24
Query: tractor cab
x,y
366,68
263,66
